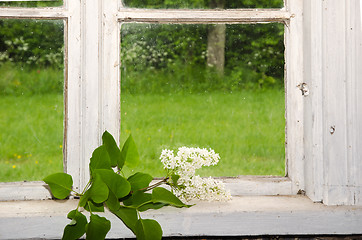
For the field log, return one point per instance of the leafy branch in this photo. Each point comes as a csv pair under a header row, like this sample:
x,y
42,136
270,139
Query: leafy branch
x,y
124,197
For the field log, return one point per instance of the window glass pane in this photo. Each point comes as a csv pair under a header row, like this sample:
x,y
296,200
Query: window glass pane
x,y
209,86
207,4
31,99
44,3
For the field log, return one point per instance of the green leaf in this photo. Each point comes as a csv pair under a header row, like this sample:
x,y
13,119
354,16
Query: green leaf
x,y
138,199
116,183
76,228
161,195
113,150
97,228
113,202
128,216
129,154
148,229
139,181
100,159
98,192
151,205
94,207
60,184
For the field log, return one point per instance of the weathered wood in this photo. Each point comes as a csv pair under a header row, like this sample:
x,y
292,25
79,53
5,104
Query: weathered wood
x,y
313,114
294,97
334,101
259,185
111,90
332,51
243,216
203,16
24,191
43,13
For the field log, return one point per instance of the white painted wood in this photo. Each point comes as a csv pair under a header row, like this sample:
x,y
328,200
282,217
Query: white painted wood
x,y
353,90
332,52
91,84
50,13
24,191
358,105
202,16
73,97
294,97
313,114
334,103
259,185
243,216
239,186
111,69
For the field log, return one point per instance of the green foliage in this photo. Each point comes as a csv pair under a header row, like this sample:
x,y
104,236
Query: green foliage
x,y
148,229
161,58
139,181
161,195
129,217
76,228
53,3
129,154
32,43
204,3
112,148
97,228
125,198
60,184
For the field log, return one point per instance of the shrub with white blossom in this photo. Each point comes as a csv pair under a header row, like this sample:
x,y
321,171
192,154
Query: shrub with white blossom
x,y
182,169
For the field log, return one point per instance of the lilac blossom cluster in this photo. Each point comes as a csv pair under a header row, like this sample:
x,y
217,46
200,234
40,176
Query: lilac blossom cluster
x,y
190,186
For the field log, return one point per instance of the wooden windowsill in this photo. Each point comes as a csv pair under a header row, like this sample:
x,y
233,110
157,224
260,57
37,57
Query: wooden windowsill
x,y
243,216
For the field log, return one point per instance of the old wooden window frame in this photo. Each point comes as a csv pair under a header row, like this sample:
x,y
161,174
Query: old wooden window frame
x,y
92,85
92,105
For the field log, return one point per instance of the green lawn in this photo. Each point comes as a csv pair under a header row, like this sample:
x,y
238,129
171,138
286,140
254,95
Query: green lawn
x,y
245,128
31,136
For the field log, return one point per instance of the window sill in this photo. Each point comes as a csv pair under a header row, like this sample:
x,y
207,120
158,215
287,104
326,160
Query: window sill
x,y
245,215
239,186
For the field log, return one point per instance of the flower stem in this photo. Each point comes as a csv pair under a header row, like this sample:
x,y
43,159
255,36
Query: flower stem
x,y
154,185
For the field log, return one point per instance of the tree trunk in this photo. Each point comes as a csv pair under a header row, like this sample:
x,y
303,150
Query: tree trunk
x,y
216,42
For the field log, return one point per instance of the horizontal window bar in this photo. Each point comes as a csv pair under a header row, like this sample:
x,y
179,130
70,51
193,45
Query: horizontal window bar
x,y
203,16
39,13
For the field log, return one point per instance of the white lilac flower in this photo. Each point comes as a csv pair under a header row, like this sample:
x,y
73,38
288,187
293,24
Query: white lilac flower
x,y
185,164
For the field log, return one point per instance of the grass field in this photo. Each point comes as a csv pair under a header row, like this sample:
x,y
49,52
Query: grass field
x,y
31,136
245,128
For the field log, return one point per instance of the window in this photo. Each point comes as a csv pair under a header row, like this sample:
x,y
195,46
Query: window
x,y
92,70
323,50
31,99
294,180
206,85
